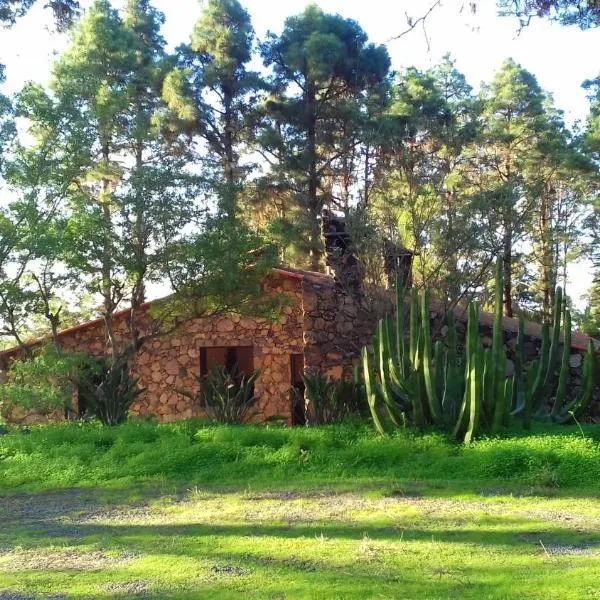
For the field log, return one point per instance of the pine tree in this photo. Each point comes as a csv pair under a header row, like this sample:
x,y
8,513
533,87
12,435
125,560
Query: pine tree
x,y
124,189
513,119
214,94
319,61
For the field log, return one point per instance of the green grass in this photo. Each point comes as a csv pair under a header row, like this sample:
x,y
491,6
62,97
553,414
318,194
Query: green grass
x,y
188,510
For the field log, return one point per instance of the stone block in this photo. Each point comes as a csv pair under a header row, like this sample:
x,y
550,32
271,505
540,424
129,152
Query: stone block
x,y
575,361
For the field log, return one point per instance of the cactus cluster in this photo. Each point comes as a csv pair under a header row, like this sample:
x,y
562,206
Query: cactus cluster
x,y
412,381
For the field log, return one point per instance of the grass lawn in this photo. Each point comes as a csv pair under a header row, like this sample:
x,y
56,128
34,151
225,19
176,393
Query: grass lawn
x,y
196,511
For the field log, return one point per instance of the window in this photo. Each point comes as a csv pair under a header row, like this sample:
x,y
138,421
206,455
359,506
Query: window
x,y
242,356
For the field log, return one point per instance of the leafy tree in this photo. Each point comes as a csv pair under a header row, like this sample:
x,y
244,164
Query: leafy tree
x,y
583,13
420,195
513,119
319,61
214,93
64,11
126,193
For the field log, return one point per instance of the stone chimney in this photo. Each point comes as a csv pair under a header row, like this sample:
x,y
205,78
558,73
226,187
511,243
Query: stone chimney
x,y
397,261
339,255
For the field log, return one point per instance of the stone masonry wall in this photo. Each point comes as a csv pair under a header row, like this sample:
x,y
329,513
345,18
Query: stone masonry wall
x,y
168,363
337,325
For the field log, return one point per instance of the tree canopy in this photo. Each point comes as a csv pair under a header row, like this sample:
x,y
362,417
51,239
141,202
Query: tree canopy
x,y
195,171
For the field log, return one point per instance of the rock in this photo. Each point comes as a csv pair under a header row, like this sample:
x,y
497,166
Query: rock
x,y
510,368
225,325
310,301
172,367
575,361
345,327
336,372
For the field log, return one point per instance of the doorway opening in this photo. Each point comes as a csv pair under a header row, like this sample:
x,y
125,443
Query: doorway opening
x,y
297,391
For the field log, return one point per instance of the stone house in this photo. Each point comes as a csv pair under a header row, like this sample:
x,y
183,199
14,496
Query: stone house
x,y
326,322
323,326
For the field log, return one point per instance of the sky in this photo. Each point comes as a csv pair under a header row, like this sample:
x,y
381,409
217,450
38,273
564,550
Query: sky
x,y
560,57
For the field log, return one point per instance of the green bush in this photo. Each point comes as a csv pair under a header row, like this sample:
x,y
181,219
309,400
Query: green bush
x,y
108,390
225,394
41,385
346,454
328,401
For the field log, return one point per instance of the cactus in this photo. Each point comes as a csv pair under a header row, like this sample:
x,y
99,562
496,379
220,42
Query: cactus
x,y
534,397
475,395
453,391
554,347
563,379
518,391
471,347
435,403
411,380
576,408
496,406
370,390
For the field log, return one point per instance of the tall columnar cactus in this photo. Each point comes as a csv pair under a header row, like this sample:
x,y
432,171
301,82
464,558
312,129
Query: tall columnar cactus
x,y
518,388
435,402
563,379
411,380
577,407
495,404
453,382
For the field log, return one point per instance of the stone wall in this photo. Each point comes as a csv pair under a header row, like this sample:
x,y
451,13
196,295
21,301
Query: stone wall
x,y
171,362
337,324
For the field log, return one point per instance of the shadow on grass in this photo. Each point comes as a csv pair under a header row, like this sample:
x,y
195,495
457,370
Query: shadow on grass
x,y
177,539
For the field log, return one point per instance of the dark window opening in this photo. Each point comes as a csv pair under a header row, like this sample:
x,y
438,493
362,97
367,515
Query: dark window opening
x,y
298,406
228,357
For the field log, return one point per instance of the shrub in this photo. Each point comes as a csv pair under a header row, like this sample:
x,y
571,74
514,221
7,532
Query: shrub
x,y
225,394
109,391
41,385
328,401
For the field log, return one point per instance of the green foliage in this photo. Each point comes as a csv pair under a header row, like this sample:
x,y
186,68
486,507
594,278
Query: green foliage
x,y
427,386
328,401
64,11
108,390
584,15
42,385
323,73
222,269
85,454
226,395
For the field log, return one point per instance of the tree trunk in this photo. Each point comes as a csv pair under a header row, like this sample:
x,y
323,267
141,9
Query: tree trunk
x,y
107,250
228,167
546,255
507,268
313,201
138,291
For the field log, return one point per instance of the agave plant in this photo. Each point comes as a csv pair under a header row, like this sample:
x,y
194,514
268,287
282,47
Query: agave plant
x,y
109,391
225,394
